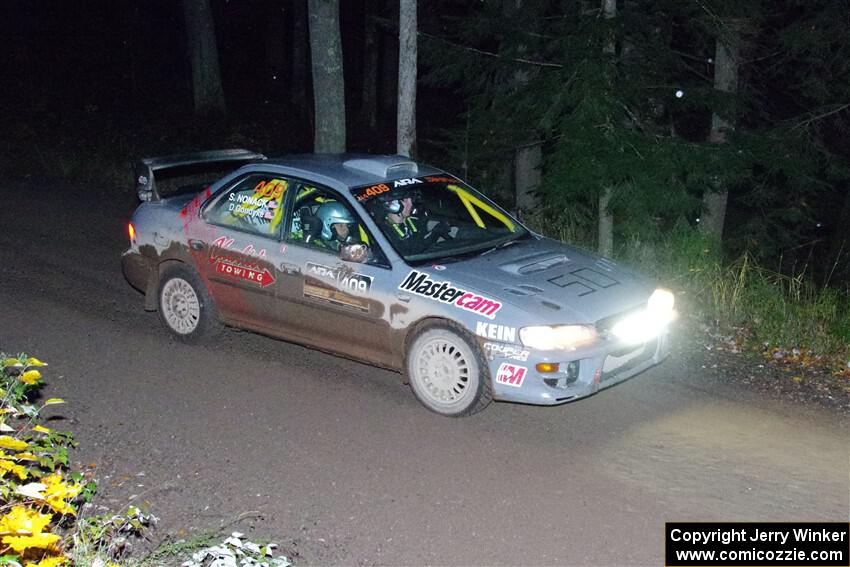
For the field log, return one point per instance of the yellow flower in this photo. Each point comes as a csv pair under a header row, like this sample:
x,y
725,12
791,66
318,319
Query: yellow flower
x,y
11,362
7,442
54,561
23,521
25,457
17,470
57,492
31,377
35,362
41,429
19,544
23,528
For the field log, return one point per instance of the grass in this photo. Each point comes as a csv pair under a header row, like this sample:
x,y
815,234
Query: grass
x,y
774,309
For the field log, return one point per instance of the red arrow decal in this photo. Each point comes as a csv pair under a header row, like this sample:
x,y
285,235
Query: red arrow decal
x,y
268,278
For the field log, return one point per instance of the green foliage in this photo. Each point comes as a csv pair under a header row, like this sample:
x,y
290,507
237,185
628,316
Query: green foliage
x,y
624,104
774,308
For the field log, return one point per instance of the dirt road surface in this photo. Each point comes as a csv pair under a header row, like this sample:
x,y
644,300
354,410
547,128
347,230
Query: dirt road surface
x,y
338,463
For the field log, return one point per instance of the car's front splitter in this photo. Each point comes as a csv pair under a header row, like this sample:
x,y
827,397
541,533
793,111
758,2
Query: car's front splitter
x,y
517,380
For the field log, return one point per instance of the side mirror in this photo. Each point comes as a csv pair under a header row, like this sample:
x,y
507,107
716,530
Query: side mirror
x,y
358,253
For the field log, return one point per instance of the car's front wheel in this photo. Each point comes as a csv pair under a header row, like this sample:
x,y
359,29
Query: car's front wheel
x,y
185,307
447,372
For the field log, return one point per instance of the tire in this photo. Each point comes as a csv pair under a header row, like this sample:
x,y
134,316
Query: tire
x,y
447,372
184,306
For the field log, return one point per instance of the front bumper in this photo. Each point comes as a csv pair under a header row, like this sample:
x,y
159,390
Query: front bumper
x,y
580,374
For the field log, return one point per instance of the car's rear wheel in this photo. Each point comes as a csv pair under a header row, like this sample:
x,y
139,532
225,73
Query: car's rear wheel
x,y
447,372
185,307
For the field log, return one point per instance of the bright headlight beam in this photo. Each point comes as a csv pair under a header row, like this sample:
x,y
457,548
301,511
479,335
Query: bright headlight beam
x,y
648,323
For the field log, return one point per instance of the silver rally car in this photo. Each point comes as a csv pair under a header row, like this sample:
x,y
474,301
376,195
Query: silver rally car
x,y
394,263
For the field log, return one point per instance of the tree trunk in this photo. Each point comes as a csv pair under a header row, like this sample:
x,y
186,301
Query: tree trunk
x,y
605,243
726,60
207,93
328,80
406,112
527,162
528,157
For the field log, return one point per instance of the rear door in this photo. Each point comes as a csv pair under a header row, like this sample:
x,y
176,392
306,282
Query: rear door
x,y
237,245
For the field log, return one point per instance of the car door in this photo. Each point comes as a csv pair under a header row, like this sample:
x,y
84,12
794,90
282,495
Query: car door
x,y
333,304
236,247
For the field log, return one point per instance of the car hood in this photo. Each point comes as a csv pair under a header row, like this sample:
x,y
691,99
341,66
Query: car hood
x,y
550,281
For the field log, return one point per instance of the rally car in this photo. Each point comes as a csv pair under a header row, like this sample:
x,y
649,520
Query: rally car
x,y
394,263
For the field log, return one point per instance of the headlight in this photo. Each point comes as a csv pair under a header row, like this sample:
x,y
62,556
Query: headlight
x,y
648,323
562,337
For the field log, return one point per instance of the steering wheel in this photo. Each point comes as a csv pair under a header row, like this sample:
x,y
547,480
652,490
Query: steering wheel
x,y
440,230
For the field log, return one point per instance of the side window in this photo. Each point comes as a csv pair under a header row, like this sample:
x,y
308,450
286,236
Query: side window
x,y
323,220
254,204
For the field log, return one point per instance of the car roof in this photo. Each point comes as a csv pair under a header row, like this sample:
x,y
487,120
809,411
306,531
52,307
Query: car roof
x,y
354,169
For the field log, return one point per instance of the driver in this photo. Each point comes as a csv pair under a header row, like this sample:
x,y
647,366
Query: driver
x,y
410,235
400,218
338,226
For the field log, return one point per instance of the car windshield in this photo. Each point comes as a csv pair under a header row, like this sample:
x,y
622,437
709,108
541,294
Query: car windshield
x,y
437,217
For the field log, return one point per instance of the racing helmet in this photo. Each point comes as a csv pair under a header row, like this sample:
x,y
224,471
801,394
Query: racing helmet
x,y
394,205
330,214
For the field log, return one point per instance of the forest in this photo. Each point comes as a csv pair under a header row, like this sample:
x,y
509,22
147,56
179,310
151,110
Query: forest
x,y
702,141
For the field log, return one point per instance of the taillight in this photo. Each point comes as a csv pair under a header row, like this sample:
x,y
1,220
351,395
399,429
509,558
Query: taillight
x,y
131,230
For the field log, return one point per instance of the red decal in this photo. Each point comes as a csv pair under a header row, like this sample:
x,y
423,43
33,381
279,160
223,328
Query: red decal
x,y
237,271
219,245
372,191
251,251
439,179
511,374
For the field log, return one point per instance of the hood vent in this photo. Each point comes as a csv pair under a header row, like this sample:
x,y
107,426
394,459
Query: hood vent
x,y
532,265
524,290
606,264
543,265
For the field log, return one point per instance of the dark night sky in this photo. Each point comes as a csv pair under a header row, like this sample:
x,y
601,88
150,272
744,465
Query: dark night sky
x,y
125,62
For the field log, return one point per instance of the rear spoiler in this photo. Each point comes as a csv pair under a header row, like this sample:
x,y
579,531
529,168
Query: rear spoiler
x,y
145,168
